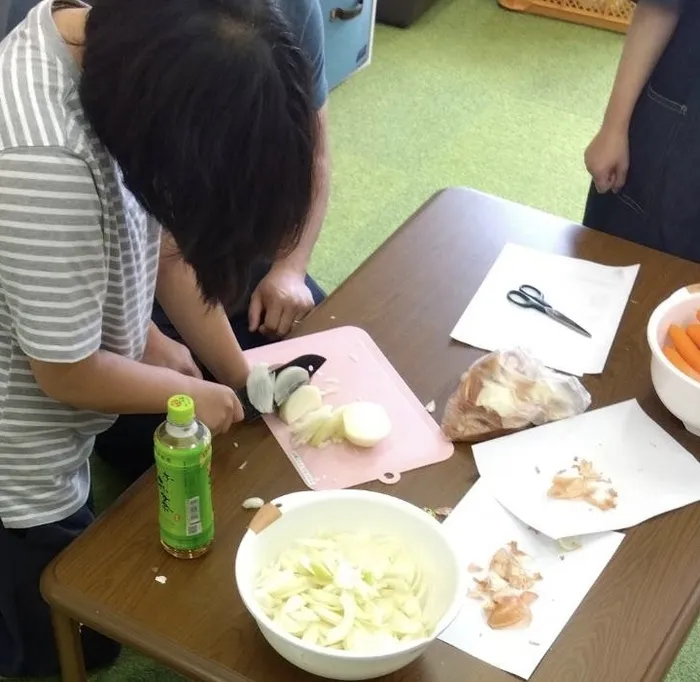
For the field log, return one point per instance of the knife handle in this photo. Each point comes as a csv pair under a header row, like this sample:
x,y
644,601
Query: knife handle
x,y
250,414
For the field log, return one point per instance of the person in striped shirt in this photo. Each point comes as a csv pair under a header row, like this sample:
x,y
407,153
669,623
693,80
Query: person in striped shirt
x,y
163,149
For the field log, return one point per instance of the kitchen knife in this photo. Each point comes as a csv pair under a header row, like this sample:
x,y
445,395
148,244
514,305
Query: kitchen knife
x,y
310,364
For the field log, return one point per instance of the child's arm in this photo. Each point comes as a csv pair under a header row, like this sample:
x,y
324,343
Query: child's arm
x,y
607,157
205,330
54,279
107,382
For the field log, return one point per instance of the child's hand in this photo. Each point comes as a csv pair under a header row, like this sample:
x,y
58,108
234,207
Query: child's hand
x,y
607,159
162,351
217,406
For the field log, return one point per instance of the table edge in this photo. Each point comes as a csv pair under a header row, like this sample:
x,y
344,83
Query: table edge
x,y
128,633
394,235
70,602
667,652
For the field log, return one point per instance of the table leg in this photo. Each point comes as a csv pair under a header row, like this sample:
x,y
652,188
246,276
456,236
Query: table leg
x,y
70,647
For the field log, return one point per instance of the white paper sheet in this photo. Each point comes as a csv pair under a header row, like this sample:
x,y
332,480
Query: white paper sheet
x,y
482,526
651,472
592,295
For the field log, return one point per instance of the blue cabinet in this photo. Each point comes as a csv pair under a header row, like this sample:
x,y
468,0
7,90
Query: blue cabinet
x,y
349,31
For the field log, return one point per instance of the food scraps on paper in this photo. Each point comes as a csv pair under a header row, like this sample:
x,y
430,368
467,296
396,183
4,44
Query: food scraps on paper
x,y
569,544
583,482
506,588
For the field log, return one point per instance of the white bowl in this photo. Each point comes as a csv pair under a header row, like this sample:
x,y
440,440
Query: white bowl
x,y
305,514
678,392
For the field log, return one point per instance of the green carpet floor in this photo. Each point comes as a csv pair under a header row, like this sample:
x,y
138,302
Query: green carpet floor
x,y
471,95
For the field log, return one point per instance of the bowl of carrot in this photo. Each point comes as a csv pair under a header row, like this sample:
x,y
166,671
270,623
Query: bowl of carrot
x,y
673,334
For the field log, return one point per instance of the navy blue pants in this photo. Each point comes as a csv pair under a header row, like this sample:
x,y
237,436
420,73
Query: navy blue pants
x,y
659,206
26,639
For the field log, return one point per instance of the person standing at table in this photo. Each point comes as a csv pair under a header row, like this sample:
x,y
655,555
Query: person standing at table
x,y
205,118
645,160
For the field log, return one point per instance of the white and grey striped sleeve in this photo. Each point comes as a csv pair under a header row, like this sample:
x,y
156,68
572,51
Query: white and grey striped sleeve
x,y
52,257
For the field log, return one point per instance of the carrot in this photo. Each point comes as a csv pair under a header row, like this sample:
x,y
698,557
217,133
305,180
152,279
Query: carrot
x,y
685,347
679,363
694,333
697,314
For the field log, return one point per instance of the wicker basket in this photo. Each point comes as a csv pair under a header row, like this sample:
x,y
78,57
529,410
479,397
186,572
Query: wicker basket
x,y
614,15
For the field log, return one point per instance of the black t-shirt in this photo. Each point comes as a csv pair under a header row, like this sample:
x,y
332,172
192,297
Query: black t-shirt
x,y
678,70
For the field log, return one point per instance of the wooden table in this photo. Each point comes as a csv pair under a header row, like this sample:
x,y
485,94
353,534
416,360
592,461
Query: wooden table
x,y
408,296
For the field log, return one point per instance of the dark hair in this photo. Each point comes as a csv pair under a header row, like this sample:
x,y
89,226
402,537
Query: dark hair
x,y
206,106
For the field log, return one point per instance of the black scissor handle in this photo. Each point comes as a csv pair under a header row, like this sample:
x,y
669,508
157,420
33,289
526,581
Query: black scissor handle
x,y
340,14
527,296
531,291
519,298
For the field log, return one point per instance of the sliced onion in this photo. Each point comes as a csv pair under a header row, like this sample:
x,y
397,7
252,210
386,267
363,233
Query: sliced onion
x,y
288,381
260,387
366,424
305,429
304,400
349,591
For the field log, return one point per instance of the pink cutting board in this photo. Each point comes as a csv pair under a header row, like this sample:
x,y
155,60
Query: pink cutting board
x,y
357,370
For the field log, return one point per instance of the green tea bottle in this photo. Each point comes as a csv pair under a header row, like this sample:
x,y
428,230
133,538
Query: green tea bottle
x,y
183,465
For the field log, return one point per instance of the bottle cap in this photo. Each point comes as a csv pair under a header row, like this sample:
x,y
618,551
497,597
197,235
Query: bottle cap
x,y
180,410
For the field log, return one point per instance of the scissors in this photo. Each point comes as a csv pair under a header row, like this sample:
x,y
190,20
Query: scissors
x,y
528,296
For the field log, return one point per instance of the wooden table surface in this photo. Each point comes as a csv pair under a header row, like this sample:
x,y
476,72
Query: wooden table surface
x,y
408,296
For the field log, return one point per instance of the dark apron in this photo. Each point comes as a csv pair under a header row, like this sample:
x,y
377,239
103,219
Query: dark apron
x,y
659,206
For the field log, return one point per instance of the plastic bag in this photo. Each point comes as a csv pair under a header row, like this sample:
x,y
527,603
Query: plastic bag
x,y
508,390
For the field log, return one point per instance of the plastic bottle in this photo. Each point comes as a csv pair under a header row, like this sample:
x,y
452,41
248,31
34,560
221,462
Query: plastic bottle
x,y
183,464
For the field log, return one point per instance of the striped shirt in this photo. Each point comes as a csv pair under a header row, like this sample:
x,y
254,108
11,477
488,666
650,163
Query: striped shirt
x,y
78,263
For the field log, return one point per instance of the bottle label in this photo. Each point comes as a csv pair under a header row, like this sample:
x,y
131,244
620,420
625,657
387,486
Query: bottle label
x,y
186,514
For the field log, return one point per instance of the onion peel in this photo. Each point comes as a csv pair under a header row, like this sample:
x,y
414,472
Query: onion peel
x,y
582,485
506,589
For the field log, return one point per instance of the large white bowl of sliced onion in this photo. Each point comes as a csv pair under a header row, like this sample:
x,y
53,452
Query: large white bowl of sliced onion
x,y
350,584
